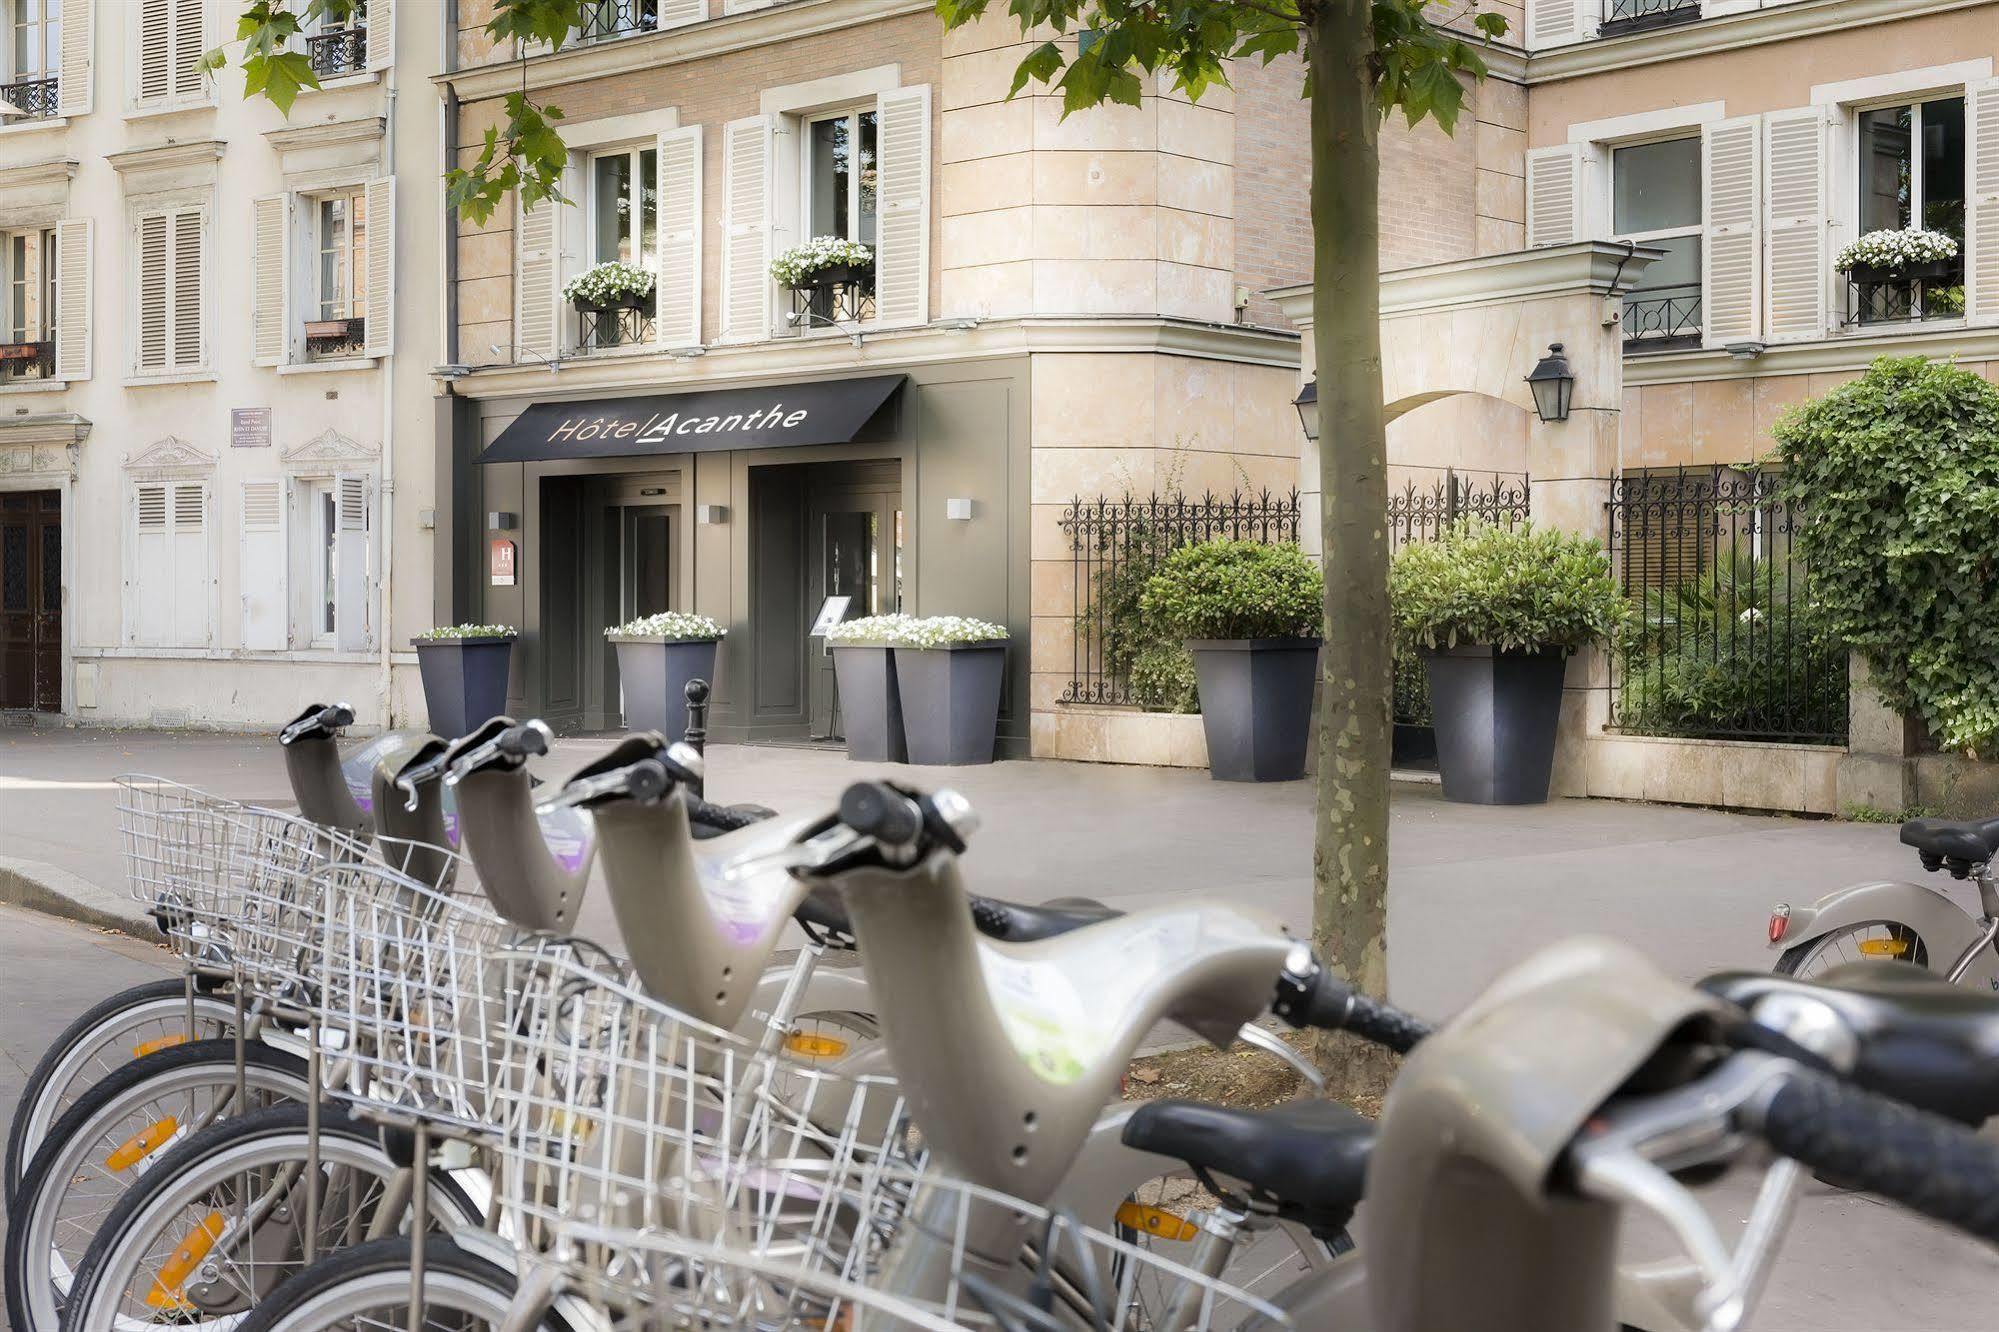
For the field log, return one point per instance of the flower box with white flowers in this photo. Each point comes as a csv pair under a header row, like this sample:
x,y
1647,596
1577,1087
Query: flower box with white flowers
x,y
950,671
1911,255
830,279
612,285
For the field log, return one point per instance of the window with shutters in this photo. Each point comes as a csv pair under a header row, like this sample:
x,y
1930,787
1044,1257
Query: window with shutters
x,y
27,304
169,579
1912,174
31,64
840,198
168,41
621,226
337,301
169,328
611,20
336,47
1656,201
332,553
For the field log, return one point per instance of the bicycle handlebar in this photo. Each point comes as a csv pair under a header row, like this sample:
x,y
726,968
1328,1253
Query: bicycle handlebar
x,y
514,745
1925,1162
878,810
317,721
1308,995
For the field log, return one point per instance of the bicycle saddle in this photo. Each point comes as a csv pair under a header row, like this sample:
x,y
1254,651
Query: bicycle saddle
x,y
1014,922
1960,844
1922,1039
1309,1157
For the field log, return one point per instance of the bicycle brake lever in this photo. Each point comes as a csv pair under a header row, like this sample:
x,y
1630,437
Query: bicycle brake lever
x,y
1270,1043
813,853
471,761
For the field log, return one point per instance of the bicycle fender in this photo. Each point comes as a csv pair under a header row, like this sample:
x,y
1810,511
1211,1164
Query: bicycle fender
x,y
1945,929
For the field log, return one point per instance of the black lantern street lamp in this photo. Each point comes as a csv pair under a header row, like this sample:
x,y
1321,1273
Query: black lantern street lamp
x,y
1553,385
1307,403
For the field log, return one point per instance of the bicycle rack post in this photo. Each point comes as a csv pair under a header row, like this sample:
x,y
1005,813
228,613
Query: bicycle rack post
x,y
419,1219
313,1076
242,1054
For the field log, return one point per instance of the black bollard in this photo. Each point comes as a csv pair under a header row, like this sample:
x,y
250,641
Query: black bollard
x,y
697,717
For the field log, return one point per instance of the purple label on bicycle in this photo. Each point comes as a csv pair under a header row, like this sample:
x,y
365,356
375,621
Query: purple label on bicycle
x,y
358,771
451,816
568,833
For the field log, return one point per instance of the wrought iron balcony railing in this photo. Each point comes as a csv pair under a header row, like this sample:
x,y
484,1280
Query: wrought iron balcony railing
x,y
35,99
620,326
1912,297
1663,318
1627,16
336,339
833,297
607,20
27,360
342,51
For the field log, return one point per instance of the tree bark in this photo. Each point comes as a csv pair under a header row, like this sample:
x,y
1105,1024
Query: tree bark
x,y
1350,852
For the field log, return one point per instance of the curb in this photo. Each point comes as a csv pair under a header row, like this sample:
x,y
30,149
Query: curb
x,y
57,892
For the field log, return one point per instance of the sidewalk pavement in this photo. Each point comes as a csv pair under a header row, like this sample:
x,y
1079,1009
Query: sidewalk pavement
x,y
1473,890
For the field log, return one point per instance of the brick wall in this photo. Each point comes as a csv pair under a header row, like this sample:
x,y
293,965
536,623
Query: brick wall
x,y
1273,183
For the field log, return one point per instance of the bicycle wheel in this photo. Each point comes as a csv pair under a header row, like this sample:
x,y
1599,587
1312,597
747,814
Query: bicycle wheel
x,y
130,1024
1875,939
1159,1218
367,1289
105,1142
220,1221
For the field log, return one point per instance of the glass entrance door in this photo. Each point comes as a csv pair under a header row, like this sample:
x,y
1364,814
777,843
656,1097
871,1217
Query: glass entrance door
x,y
857,554
646,583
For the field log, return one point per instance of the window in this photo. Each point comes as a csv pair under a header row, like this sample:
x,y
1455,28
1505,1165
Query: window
x,y
170,330
170,42
840,177
623,228
323,524
1912,170
605,19
27,304
336,49
1656,201
169,579
33,58
339,293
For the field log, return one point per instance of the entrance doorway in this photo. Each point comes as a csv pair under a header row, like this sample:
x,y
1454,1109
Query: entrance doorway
x,y
855,552
31,600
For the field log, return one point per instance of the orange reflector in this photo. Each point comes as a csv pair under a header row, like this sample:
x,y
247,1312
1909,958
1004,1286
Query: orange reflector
x,y
1155,1221
814,1046
142,1144
1885,947
168,1286
159,1043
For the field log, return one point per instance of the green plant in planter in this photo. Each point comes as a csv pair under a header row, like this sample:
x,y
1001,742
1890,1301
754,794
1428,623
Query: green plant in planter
x,y
672,626
1162,679
1226,589
1516,589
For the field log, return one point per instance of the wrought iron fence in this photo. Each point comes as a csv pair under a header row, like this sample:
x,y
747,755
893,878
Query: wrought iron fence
x,y
1622,16
34,98
1424,511
1728,643
1116,544
341,51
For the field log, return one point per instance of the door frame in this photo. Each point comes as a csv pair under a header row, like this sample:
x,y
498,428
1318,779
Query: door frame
x,y
65,484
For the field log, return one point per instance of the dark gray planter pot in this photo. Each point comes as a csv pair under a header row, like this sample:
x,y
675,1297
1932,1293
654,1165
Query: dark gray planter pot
x,y
655,673
464,681
870,704
950,701
1496,714
1256,705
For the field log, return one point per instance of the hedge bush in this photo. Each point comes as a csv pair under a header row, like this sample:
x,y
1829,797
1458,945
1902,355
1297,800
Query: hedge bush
x,y
1236,589
1898,473
1516,588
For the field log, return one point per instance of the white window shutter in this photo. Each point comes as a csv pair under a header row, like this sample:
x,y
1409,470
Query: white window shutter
x,y
535,269
1794,225
155,50
902,207
73,283
190,565
1555,189
1732,249
380,16
188,322
1981,223
746,281
190,42
381,266
75,87
1557,22
155,309
260,569
270,269
352,528
151,576
680,13
677,305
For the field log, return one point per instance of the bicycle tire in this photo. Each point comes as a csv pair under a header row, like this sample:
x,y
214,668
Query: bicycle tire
x,y
181,1180
313,1298
33,1117
276,1072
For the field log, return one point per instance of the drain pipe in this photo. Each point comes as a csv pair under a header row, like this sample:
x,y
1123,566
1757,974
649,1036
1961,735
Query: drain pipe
x,y
388,381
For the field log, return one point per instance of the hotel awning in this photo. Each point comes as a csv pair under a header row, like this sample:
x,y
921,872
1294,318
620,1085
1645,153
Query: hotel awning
x,y
767,416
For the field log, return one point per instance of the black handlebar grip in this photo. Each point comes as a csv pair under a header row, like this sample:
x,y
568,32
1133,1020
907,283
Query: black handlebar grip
x,y
878,810
648,780
1326,1003
521,741
1926,1163
1386,1025
336,716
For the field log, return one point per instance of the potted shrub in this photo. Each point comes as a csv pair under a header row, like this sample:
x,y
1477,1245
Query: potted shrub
x,y
465,669
611,285
657,656
823,265
948,673
870,701
1250,615
1494,613
1908,255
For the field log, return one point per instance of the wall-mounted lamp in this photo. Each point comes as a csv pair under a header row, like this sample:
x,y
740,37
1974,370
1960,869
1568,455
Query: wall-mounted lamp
x,y
502,521
958,510
711,515
1553,385
1307,403
1745,351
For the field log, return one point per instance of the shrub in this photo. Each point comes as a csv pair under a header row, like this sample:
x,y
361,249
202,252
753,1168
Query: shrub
x,y
1235,589
1898,473
1162,679
1517,588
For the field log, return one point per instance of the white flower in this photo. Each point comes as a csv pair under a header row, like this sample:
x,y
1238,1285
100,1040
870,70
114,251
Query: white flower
x,y
673,626
800,262
912,631
608,280
447,632
1751,616
1896,249
870,630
